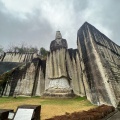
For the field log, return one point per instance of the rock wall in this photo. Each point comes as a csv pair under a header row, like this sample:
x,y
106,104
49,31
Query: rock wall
x,y
65,64
17,57
74,71
57,81
109,53
101,64
57,64
27,80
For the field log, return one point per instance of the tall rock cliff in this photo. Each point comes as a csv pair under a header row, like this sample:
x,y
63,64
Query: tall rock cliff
x,y
101,58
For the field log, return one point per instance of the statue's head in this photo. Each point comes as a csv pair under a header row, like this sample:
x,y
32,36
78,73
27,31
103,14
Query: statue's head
x,y
58,43
58,35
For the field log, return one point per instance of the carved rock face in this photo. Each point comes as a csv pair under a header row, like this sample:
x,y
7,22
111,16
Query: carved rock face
x,y
58,43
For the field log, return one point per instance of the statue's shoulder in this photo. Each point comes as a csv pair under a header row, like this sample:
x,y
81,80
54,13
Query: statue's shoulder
x,y
64,43
52,42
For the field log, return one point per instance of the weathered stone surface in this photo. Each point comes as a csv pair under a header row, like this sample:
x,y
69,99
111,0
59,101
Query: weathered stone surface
x,y
27,79
17,57
74,71
101,59
57,64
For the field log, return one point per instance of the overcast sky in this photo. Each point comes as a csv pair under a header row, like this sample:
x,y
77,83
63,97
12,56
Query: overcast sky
x,y
34,22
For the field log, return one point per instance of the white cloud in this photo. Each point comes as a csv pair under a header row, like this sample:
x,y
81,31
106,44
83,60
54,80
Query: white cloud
x,y
38,20
24,6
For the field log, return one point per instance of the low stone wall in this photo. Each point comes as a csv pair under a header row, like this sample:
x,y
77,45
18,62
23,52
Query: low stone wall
x,y
17,57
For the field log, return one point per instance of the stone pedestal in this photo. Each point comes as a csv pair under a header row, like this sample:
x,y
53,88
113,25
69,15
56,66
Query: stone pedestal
x,y
59,87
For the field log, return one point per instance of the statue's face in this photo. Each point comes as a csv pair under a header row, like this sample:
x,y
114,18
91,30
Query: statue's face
x,y
58,35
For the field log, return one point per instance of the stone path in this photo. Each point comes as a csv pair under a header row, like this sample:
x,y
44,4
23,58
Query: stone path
x,y
116,116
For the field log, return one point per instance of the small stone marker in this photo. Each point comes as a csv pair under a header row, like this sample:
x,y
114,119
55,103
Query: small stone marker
x,y
28,112
4,113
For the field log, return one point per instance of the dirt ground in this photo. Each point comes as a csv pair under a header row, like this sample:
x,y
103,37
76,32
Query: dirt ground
x,y
49,107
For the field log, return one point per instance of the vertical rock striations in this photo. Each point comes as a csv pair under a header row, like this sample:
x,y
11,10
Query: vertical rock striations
x,y
17,57
27,79
101,59
74,71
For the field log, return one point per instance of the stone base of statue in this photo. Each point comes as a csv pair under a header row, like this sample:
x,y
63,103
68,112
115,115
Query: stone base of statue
x,y
59,88
58,93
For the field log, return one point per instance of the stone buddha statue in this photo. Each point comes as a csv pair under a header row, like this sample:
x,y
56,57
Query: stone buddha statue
x,y
57,81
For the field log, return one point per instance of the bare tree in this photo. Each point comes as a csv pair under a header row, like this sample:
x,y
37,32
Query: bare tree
x,y
22,48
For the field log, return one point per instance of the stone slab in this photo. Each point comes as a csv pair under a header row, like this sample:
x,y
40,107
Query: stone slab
x,y
24,114
28,112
